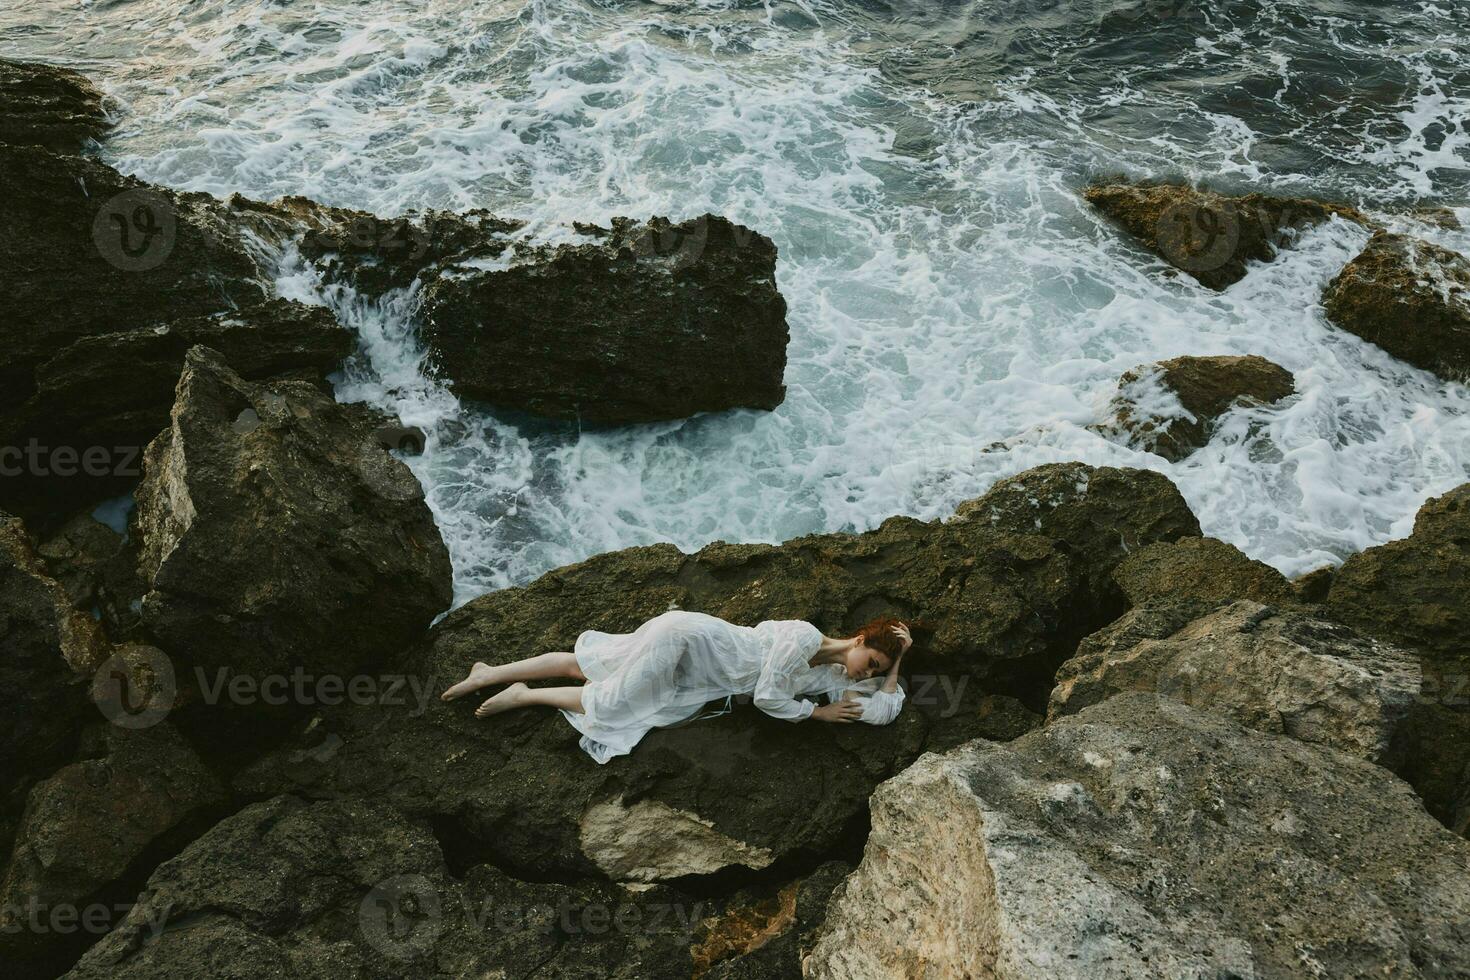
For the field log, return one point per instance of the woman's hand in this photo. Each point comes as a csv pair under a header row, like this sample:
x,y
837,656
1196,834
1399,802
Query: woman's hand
x,y
842,712
904,636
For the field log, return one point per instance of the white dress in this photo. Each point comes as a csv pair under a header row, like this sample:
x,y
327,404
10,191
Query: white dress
x,y
671,666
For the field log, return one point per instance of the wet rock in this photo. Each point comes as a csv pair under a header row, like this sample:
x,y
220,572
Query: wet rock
x,y
90,826
744,793
641,322
1415,592
353,888
377,254
1199,570
1098,513
1409,297
275,533
107,396
1171,407
41,105
49,650
1145,838
1211,236
1278,672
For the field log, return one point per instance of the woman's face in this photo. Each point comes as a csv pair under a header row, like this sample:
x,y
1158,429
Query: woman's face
x,y
864,662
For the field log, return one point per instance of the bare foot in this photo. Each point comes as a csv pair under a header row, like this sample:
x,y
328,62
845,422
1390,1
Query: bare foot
x,y
509,698
481,675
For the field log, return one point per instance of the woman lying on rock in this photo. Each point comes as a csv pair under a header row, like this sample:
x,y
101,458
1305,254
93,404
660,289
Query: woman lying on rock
x,y
671,666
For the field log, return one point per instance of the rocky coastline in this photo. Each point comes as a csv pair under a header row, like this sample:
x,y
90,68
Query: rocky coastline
x,y
1129,750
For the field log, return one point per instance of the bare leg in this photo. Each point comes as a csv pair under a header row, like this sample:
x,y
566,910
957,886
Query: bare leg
x,y
520,696
483,675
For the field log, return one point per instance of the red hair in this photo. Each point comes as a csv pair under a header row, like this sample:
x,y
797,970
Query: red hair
x,y
879,635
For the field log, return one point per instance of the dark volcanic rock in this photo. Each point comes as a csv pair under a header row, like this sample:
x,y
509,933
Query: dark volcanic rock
x,y
47,649
1282,672
1144,838
52,107
77,554
1198,570
276,533
94,252
354,889
1202,389
1415,593
744,791
378,254
646,321
108,395
1209,235
1099,514
88,827
1409,297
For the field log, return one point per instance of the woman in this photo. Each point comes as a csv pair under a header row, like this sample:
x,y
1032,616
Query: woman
x,y
674,664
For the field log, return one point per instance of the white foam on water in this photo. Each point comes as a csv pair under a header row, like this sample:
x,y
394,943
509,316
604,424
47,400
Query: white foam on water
x,y
948,290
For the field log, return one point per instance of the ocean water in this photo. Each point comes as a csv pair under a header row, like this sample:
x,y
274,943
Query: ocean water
x,y
918,163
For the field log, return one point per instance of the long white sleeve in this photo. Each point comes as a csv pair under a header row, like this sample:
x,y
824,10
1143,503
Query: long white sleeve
x,y
785,671
787,709
879,706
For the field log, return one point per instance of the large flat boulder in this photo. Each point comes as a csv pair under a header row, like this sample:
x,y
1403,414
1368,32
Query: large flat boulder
x,y
1411,298
354,889
635,323
275,533
740,793
1280,672
1172,407
1208,235
1145,838
42,105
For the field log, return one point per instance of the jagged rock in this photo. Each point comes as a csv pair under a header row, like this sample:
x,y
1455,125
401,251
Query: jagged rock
x,y
1409,297
1198,570
378,254
109,394
274,532
1171,407
1145,838
744,791
96,252
49,649
42,105
90,826
765,939
1099,514
1312,588
353,889
76,554
644,321
1415,592
1278,672
1208,235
